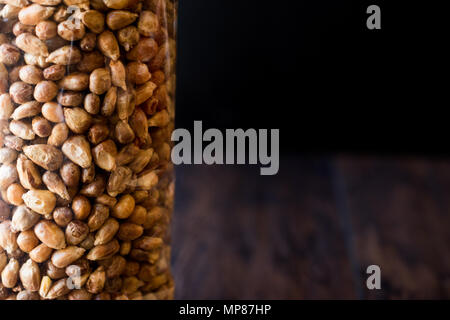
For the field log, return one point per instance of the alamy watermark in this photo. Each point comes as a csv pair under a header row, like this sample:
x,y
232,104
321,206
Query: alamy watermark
x,y
374,20
236,146
374,280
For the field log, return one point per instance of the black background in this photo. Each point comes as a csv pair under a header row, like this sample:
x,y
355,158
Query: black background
x,y
314,70
170,309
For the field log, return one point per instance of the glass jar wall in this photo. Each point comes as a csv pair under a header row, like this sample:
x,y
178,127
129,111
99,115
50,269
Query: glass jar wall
x,y
87,92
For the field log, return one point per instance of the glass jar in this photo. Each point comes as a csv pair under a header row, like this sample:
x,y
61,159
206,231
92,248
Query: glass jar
x,y
87,92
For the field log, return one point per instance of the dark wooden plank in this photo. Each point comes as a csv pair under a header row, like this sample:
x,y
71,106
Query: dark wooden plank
x,y
440,175
237,235
399,224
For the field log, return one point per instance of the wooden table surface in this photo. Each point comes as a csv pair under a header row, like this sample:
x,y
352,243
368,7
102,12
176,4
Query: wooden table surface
x,y
311,231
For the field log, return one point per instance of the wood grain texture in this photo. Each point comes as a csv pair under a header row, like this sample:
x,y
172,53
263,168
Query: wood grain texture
x,y
399,225
238,235
311,231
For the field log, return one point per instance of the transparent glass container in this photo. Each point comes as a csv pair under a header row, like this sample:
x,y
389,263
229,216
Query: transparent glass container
x,y
87,93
